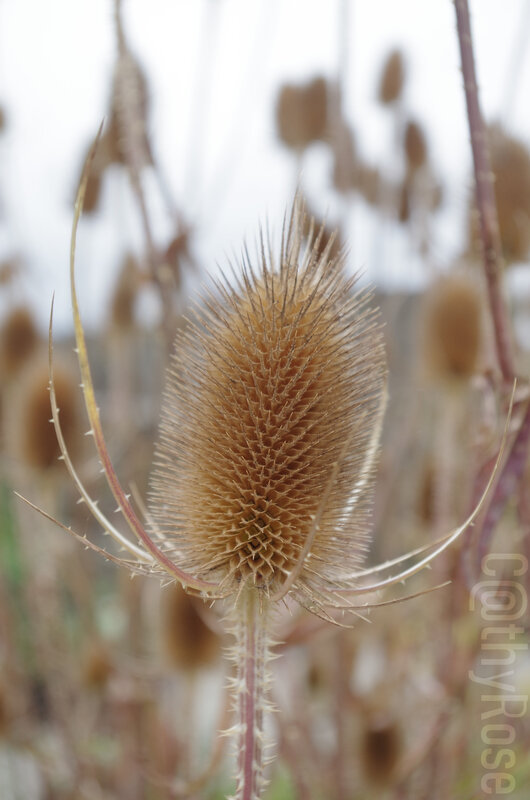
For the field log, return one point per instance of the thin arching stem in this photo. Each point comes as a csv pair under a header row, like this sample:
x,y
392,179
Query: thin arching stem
x,y
125,506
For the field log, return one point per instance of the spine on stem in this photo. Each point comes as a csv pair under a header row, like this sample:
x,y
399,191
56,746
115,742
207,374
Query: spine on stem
x,y
251,655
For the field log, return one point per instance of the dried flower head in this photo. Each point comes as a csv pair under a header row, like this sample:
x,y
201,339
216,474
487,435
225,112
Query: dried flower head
x,y
452,327
392,78
415,146
189,643
30,435
302,113
273,377
19,340
510,161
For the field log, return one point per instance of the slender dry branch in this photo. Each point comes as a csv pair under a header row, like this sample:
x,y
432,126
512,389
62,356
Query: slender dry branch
x,y
485,197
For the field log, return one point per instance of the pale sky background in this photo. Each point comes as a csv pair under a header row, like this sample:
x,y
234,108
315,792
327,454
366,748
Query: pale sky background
x,y
56,62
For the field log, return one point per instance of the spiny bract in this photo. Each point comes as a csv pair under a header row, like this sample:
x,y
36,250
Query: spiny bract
x,y
278,378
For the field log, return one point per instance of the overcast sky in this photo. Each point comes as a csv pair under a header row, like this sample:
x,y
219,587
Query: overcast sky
x,y
56,61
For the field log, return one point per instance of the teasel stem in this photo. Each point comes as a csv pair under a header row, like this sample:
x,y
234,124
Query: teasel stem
x,y
251,653
485,196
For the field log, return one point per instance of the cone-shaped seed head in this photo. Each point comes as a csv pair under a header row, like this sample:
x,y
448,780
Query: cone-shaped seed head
x,y
277,373
415,146
29,429
392,78
452,332
510,161
301,113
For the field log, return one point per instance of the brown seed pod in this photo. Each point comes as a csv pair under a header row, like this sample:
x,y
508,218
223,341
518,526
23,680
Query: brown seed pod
x,y
510,162
19,340
381,748
189,643
30,432
415,146
392,78
452,327
266,390
302,113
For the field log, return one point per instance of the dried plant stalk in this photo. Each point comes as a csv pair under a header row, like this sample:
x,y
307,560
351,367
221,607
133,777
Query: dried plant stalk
x,y
485,195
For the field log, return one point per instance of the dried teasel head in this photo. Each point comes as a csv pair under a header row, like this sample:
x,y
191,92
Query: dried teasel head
x,y
510,162
415,145
188,641
276,373
392,78
452,327
302,113
30,436
19,339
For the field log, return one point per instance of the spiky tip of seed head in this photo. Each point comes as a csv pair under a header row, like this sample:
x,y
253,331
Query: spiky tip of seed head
x,y
277,371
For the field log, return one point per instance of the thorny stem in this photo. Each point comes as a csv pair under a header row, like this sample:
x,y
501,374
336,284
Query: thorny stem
x,y
485,196
251,654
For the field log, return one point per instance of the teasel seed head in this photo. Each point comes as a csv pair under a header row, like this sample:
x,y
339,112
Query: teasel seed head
x,y
189,643
392,78
452,327
31,436
510,163
302,113
19,340
273,378
415,146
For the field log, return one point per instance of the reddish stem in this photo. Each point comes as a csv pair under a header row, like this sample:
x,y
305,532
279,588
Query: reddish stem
x,y
485,196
